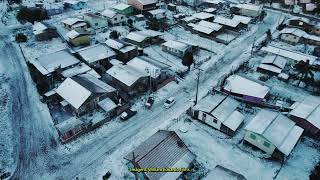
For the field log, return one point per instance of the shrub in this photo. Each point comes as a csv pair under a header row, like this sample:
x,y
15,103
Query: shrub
x,y
20,37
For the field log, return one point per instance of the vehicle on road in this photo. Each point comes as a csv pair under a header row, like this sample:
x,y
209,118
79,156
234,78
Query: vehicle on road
x,y
149,102
127,114
169,102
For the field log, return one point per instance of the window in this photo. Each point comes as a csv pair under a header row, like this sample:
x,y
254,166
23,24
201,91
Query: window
x,y
204,116
115,19
266,144
252,136
215,120
121,17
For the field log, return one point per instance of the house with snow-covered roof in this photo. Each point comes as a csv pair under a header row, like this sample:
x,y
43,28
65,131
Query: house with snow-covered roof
x,y
75,4
272,64
273,133
75,24
156,13
306,114
249,10
76,38
96,56
124,9
218,111
143,5
44,32
231,24
247,89
113,17
124,51
176,48
89,91
143,38
138,74
162,149
203,16
295,36
95,21
213,3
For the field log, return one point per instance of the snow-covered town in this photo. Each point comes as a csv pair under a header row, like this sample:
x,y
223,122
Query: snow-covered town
x,y
160,89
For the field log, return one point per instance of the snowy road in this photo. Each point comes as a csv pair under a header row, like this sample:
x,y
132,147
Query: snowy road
x,y
38,155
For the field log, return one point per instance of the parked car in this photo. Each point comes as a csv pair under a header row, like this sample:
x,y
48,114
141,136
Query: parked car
x,y
127,114
169,102
149,102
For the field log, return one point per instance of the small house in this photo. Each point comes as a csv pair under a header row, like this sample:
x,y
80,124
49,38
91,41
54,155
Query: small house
x,y
95,21
299,22
124,9
218,111
272,64
113,17
46,69
155,14
244,20
249,10
248,90
143,38
43,32
206,28
176,48
109,107
80,68
96,56
89,91
306,114
70,128
162,149
273,133
295,36
203,16
75,24
230,24
143,5
78,38
75,4
220,172
124,51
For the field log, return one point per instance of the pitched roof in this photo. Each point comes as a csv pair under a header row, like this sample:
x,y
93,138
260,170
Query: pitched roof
x,y
114,44
300,33
162,149
242,19
39,28
72,21
78,69
93,84
240,85
72,34
108,13
50,62
249,7
140,36
176,45
273,63
276,128
107,104
121,6
222,173
67,91
202,15
308,109
146,2
95,53
226,21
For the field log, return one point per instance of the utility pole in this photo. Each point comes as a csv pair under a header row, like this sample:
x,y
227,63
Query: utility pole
x,y
254,40
198,81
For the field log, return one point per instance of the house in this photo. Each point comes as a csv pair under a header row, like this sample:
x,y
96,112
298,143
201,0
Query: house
x,y
306,114
75,4
230,24
70,128
89,91
124,9
244,20
113,17
95,21
143,5
249,10
96,56
248,90
75,24
124,51
44,32
293,56
78,38
206,28
203,16
218,111
273,133
156,13
162,149
138,74
299,22
213,3
54,8
143,38
272,64
295,36
46,69
176,48
220,172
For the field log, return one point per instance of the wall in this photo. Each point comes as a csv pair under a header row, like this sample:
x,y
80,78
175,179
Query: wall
x,y
290,38
80,40
259,142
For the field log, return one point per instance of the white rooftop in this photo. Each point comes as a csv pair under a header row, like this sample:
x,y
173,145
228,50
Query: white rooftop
x,y
78,69
300,33
202,15
240,85
242,19
72,21
96,53
67,91
157,11
276,128
273,63
107,104
140,36
249,7
226,21
308,109
108,13
121,6
176,45
213,26
72,34
39,28
114,44
50,62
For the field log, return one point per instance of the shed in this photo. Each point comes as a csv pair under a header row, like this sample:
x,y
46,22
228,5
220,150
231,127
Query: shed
x,y
273,133
176,48
218,111
70,128
162,149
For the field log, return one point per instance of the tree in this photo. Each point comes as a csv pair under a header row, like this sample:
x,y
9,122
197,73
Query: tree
x,y
32,14
316,51
304,70
130,22
154,24
20,37
187,60
114,35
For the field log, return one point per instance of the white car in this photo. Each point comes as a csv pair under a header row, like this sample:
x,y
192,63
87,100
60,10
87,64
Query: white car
x,y
169,102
